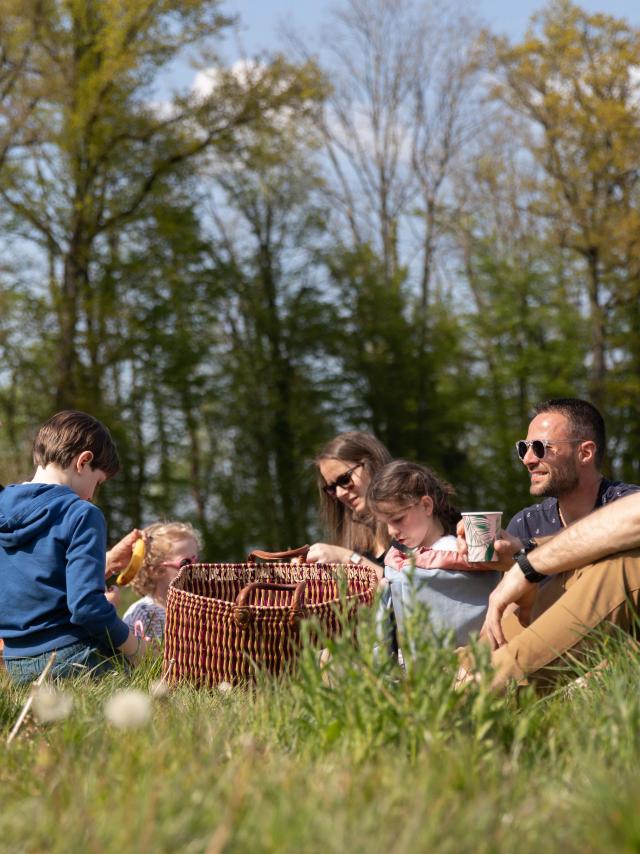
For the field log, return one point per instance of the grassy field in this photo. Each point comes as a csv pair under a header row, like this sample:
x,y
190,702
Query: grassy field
x,y
361,756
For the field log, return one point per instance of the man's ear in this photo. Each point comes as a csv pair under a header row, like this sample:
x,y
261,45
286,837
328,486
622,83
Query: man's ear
x,y
83,459
427,503
587,451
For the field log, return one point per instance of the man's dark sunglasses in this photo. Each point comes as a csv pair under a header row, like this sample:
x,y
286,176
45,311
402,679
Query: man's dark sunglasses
x,y
343,481
539,446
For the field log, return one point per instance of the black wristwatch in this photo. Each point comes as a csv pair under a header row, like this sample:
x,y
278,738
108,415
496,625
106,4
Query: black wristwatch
x,y
532,576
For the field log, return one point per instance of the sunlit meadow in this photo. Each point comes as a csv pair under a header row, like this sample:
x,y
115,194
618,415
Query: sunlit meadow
x,y
358,755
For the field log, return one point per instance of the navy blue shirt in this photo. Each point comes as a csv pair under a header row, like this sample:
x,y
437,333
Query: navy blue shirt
x,y
543,520
52,563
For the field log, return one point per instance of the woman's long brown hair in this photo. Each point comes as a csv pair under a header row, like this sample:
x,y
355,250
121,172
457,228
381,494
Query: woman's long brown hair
x,y
342,528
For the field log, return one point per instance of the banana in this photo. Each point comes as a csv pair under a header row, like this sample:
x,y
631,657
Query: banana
x,y
131,570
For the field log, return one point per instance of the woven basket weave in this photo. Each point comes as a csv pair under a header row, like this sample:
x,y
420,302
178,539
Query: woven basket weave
x,y
226,620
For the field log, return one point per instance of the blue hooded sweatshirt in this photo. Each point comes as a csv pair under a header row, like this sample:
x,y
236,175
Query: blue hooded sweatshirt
x,y
52,565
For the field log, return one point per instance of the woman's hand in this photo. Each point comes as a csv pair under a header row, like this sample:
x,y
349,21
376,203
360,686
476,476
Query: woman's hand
x,y
325,553
505,546
119,556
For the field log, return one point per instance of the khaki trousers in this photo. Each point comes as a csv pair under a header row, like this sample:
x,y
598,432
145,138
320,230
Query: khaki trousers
x,y
568,607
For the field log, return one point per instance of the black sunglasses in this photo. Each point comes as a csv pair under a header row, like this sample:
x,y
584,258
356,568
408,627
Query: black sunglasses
x,y
343,481
539,446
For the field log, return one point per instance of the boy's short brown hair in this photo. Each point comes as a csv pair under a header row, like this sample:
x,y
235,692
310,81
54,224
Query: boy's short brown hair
x,y
69,433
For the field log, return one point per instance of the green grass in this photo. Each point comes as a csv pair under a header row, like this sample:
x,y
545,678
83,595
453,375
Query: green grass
x,y
360,757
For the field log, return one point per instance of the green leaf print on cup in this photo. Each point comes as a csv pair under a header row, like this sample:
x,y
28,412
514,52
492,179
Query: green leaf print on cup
x,y
480,530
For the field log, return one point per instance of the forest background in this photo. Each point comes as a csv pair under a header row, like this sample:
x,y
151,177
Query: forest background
x,y
409,225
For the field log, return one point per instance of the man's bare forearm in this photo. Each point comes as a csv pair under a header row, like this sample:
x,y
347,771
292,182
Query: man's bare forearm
x,y
614,528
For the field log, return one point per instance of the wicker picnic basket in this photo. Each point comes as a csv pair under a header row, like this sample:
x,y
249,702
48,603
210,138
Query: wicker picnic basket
x,y
225,621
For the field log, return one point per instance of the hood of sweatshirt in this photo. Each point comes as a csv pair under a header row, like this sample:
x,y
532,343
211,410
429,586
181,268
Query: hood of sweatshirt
x,y
28,510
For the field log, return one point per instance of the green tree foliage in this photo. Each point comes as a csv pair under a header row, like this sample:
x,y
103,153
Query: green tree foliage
x,y
159,380
93,173
526,336
231,277
274,334
574,78
83,144
88,147
385,369
395,126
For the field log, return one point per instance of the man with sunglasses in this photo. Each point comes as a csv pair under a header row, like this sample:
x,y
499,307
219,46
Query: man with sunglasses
x,y
561,597
596,565
563,452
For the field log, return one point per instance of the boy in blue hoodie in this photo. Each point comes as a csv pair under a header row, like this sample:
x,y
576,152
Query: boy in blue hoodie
x,y
52,557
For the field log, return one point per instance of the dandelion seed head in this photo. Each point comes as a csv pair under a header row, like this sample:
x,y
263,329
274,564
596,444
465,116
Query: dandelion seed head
x,y
128,709
51,705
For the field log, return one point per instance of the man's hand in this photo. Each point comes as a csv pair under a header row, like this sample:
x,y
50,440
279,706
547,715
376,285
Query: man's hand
x,y
119,556
506,545
514,587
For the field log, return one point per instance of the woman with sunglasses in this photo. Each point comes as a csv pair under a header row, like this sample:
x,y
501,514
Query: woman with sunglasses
x,y
345,467
168,547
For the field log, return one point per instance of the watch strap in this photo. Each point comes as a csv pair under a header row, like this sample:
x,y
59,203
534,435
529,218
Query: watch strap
x,y
532,575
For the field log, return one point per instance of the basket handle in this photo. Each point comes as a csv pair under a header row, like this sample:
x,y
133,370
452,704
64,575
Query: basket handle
x,y
256,554
242,610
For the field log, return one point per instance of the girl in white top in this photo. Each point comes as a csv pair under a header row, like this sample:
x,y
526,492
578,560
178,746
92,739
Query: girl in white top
x,y
423,563
168,545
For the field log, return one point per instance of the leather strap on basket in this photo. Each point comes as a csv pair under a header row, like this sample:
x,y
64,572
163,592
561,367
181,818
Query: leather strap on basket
x,y
279,556
242,609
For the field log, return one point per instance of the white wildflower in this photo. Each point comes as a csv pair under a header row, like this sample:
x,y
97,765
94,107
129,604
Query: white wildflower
x,y
128,709
225,687
51,705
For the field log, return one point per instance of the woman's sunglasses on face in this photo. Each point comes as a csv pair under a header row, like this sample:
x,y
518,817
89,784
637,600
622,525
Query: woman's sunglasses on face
x,y
343,481
539,446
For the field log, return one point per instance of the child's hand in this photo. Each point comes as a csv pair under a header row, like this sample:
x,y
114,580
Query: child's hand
x,y
138,630
113,595
134,648
119,556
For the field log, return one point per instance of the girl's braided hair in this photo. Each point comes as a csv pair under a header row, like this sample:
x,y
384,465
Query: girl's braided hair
x,y
403,482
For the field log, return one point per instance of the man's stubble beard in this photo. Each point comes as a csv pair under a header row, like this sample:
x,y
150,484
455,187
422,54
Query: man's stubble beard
x,y
560,481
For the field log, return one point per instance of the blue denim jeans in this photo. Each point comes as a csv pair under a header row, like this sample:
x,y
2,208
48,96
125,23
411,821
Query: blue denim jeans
x,y
72,660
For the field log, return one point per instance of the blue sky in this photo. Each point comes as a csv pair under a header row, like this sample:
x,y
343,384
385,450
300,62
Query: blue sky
x,y
261,22
261,19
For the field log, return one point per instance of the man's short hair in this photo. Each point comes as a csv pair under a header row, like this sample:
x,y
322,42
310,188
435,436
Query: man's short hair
x,y
584,420
69,433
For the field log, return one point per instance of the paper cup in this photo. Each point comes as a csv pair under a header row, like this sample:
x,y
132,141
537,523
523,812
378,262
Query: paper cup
x,y
480,531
